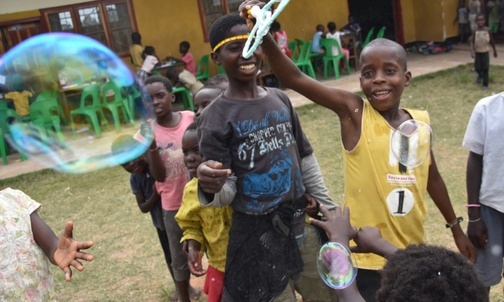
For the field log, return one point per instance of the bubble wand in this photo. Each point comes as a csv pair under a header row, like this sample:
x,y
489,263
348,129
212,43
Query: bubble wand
x,y
264,18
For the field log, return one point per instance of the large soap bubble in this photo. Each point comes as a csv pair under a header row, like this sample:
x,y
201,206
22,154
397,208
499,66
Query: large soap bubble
x,y
411,143
83,98
336,265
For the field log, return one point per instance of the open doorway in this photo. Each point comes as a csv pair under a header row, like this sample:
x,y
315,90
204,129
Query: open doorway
x,y
376,13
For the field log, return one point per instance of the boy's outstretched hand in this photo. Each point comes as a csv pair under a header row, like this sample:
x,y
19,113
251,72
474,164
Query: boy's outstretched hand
x,y
211,176
337,225
68,253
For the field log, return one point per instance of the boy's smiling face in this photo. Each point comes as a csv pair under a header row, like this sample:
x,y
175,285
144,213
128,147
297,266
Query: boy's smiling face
x,y
383,77
230,56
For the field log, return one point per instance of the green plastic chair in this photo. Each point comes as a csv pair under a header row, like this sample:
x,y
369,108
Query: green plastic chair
x,y
369,37
220,69
45,117
113,104
90,108
295,47
202,73
304,60
187,99
132,94
52,93
6,114
381,32
330,60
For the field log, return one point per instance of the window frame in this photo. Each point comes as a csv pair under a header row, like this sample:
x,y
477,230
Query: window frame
x,y
203,17
102,6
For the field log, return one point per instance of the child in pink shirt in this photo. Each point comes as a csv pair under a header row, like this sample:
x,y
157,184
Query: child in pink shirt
x,y
187,57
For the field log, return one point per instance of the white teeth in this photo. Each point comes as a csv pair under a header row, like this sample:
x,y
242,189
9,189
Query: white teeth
x,y
247,67
381,92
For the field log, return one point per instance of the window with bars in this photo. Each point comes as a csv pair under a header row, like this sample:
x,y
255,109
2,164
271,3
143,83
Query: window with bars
x,y
210,10
109,22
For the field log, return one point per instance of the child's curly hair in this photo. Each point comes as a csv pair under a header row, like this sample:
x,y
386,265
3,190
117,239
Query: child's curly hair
x,y
429,273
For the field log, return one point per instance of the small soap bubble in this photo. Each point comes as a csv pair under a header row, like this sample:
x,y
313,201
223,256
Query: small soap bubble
x,y
336,265
83,98
411,143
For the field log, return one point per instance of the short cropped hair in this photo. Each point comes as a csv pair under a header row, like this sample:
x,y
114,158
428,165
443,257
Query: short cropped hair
x,y
136,38
185,44
331,26
391,45
221,27
429,273
217,80
192,127
159,79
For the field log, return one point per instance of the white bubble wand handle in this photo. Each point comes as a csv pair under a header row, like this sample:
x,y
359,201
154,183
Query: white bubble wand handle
x,y
264,19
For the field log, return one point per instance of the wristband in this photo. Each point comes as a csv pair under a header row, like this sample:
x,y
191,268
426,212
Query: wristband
x,y
475,220
472,205
457,220
154,149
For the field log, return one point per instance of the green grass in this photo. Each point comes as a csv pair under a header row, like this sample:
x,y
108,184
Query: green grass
x,y
129,265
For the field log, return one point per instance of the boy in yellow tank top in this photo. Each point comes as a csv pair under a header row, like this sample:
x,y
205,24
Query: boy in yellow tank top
x,y
375,184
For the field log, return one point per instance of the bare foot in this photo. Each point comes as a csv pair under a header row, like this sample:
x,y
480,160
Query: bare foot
x,y
194,293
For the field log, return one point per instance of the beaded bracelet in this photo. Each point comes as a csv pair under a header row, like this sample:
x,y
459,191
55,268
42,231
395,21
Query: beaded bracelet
x,y
457,220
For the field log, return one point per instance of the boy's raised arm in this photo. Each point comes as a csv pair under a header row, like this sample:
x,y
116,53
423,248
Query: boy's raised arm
x,y
338,100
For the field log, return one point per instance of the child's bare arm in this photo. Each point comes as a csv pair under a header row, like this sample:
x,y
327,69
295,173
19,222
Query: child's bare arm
x,y
439,194
476,229
147,205
63,252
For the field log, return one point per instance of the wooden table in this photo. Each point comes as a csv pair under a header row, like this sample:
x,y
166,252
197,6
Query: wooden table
x,y
168,64
348,39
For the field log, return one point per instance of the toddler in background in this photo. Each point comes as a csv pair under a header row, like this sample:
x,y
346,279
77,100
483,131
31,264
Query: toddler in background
x,y
27,246
187,57
280,37
150,60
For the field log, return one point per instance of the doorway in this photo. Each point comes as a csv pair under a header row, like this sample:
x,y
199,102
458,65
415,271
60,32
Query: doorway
x,y
378,13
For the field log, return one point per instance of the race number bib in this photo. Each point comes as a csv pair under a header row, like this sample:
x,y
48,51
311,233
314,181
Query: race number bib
x,y
400,201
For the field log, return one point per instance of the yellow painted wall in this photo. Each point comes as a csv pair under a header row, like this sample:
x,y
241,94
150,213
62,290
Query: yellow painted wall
x,y
409,20
19,15
300,17
450,13
429,21
164,24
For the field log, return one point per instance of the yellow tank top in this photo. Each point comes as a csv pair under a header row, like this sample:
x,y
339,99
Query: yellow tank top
x,y
377,193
